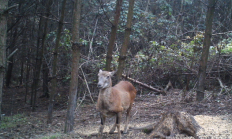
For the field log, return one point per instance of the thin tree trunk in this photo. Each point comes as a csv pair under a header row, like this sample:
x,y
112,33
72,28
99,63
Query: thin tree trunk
x,y
28,67
126,41
45,81
24,41
54,65
21,72
113,34
40,52
69,123
11,60
38,63
205,51
28,64
45,66
3,35
9,70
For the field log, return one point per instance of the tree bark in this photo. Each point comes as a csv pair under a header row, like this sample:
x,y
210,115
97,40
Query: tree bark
x,y
36,70
3,35
40,51
11,59
69,123
54,65
205,50
113,34
45,66
45,80
21,72
28,68
126,41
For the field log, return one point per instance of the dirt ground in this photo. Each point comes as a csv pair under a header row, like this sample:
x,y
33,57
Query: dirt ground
x,y
213,115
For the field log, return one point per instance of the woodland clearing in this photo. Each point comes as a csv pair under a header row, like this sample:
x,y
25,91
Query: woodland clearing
x,y
213,115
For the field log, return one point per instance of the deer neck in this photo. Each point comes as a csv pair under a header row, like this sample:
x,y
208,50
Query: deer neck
x,y
105,94
105,91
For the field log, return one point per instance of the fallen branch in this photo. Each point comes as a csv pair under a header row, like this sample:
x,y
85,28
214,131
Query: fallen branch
x,y
224,88
145,85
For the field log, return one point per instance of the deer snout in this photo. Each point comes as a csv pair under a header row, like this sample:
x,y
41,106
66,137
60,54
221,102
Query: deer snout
x,y
99,86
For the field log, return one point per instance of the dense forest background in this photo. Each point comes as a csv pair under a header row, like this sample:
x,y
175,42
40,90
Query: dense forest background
x,y
166,43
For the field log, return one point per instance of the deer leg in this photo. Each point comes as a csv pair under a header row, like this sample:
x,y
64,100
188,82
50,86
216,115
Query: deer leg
x,y
118,121
103,119
127,119
114,127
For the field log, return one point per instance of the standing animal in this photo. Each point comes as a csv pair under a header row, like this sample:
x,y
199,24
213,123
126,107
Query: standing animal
x,y
113,101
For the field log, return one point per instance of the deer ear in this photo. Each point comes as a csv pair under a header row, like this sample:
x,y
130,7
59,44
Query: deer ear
x,y
100,71
112,73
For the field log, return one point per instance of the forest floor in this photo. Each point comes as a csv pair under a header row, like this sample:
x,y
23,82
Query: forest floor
x,y
213,115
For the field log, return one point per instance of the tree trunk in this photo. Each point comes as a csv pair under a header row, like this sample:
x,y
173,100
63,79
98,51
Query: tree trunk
x,y
9,70
45,66
126,41
3,35
38,63
45,80
113,34
205,51
40,51
54,65
28,67
21,72
69,123
11,60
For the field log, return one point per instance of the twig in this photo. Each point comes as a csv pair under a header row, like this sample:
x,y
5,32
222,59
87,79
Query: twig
x,y
222,33
55,20
91,41
12,53
9,8
223,87
87,86
83,98
134,114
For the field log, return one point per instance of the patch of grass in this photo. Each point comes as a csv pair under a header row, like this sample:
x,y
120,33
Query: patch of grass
x,y
147,131
13,121
53,136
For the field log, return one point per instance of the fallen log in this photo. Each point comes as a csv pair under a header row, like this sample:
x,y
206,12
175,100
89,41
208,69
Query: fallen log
x,y
171,124
145,85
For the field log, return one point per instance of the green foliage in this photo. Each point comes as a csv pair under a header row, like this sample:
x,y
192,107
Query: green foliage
x,y
12,121
66,39
165,57
226,45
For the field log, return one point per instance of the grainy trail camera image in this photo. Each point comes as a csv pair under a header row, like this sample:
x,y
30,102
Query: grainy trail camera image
x,y
168,65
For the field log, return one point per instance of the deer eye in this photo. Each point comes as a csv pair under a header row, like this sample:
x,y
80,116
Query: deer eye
x,y
108,77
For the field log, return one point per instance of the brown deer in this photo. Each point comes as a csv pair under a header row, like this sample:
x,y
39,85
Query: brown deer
x,y
113,101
